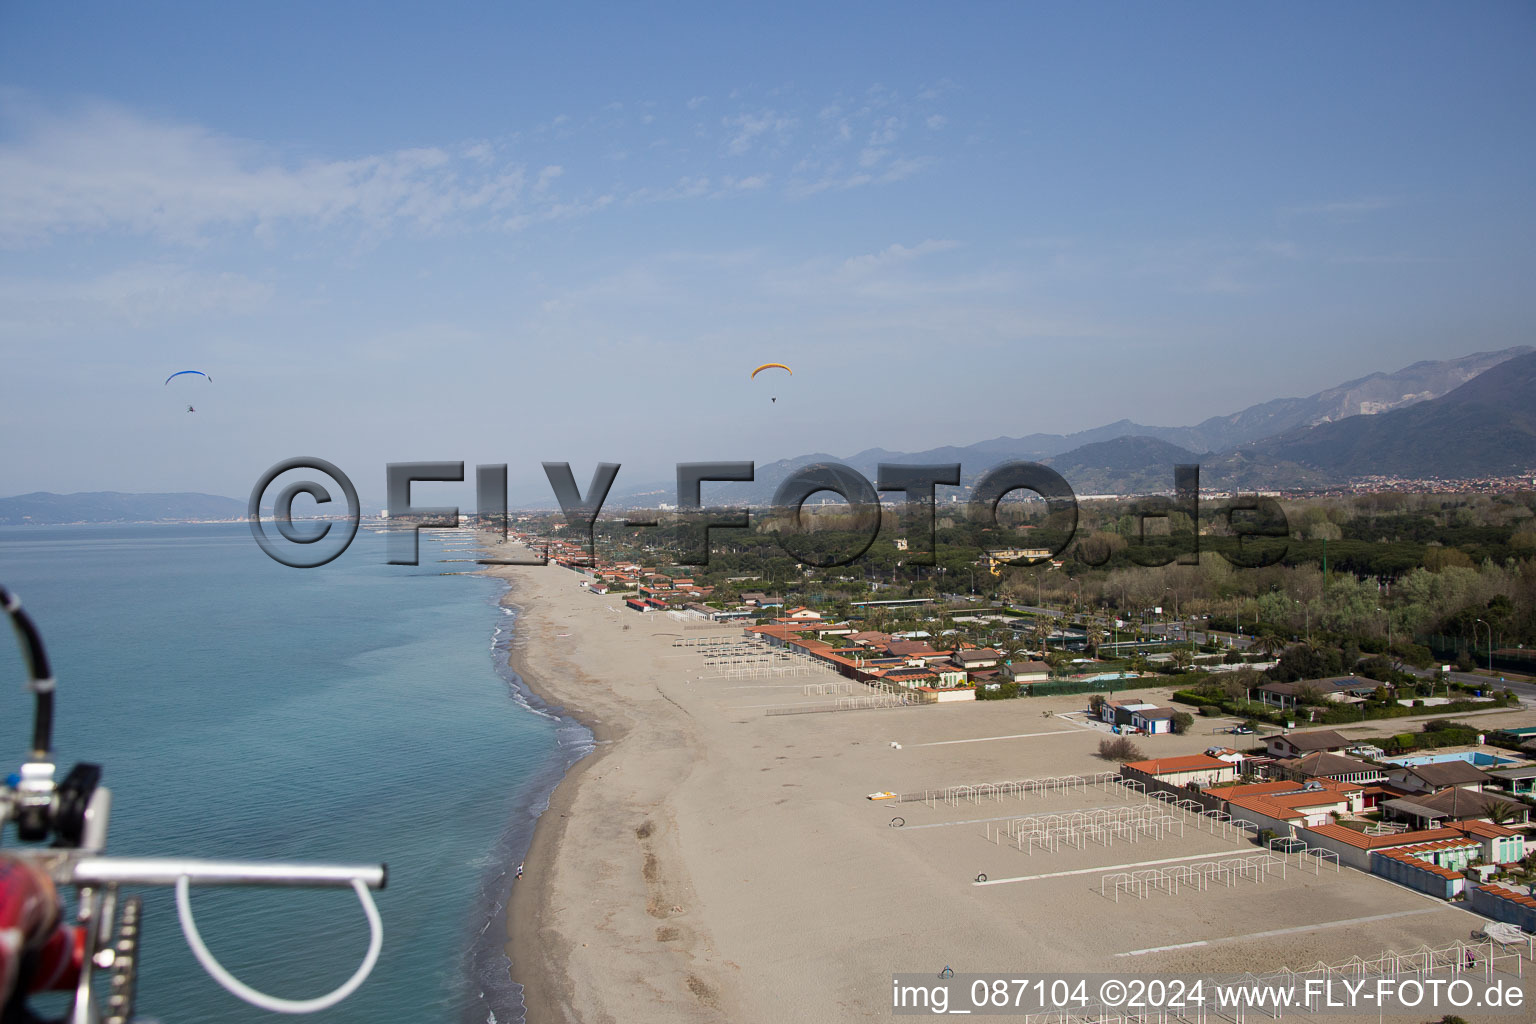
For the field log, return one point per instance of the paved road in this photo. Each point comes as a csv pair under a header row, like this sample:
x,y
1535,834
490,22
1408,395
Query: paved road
x,y
1029,609
1525,691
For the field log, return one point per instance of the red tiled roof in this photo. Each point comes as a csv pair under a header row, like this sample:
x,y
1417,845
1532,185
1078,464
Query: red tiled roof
x,y
1280,787
1506,893
1283,799
1188,763
1364,842
1422,865
1305,798
1437,845
1268,808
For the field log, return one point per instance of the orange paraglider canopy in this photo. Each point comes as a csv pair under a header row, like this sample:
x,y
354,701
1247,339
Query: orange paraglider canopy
x,y
772,366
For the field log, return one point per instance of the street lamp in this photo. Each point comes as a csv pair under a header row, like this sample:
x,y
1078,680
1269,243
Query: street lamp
x,y
1388,616
1490,643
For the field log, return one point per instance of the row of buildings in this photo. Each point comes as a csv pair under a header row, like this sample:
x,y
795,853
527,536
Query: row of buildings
x,y
896,662
899,662
1440,820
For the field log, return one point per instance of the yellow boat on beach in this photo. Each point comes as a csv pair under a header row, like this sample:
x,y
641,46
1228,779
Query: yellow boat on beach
x,y
882,796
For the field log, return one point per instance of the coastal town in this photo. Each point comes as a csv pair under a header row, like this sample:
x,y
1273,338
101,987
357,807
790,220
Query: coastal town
x,y
1172,771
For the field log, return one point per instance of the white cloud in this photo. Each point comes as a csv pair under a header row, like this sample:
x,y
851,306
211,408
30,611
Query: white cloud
x,y
748,128
559,211
139,296
885,132
834,179
105,168
101,170
933,92
897,253
904,168
546,176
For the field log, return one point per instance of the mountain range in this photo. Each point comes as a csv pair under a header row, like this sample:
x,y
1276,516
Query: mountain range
x,y
1486,427
1447,419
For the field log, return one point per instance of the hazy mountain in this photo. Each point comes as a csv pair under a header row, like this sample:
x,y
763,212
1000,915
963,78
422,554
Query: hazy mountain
x,y
1485,427
1237,463
1370,395
42,508
1124,464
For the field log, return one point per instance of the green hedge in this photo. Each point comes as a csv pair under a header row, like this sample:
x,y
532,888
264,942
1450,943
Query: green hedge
x,y
1058,687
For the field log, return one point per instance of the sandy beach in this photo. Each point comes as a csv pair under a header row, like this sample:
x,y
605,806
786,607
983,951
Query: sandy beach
x,y
712,862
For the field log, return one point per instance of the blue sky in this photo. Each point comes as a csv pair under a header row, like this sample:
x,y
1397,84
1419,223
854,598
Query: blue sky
x,y
396,232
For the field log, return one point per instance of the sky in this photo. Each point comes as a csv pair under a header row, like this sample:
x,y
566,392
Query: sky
x,y
516,234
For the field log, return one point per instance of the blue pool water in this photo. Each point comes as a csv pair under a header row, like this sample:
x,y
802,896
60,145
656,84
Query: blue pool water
x,y
1476,758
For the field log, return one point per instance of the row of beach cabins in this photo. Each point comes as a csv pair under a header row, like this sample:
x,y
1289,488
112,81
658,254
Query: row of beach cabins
x,y
1445,823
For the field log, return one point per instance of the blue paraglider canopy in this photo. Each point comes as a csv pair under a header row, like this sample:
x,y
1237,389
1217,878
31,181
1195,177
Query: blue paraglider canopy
x,y
178,373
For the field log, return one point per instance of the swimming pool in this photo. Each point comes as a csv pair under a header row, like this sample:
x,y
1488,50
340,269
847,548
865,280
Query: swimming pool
x,y
1476,758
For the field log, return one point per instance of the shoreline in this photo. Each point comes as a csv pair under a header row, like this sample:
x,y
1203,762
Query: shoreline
x,y
544,998
605,923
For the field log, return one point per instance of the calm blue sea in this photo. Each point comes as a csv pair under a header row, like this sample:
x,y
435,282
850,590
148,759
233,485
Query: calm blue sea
x,y
355,712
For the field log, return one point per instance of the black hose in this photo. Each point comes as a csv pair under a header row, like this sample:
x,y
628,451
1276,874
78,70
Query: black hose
x,y
41,683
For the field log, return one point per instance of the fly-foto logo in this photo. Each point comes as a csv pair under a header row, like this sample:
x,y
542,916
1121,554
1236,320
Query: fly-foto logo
x,y
1255,526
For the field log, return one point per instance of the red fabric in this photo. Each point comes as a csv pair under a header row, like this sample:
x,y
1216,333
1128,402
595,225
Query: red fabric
x,y
30,928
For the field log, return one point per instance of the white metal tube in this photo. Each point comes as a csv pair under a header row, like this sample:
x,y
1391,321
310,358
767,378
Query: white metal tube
x,y
167,870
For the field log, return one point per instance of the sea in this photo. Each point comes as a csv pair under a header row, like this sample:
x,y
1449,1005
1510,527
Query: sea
x,y
357,712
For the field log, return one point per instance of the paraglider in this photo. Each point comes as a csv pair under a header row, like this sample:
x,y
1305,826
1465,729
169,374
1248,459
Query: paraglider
x,y
184,373
771,366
